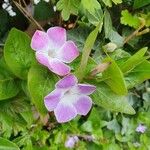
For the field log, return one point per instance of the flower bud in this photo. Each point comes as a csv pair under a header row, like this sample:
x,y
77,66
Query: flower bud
x,y
110,47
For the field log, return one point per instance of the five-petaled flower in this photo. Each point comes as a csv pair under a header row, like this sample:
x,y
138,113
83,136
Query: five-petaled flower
x,y
53,51
141,128
69,99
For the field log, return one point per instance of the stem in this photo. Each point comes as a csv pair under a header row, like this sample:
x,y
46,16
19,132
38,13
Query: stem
x,y
136,32
27,15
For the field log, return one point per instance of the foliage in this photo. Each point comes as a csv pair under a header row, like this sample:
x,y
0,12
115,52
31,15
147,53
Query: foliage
x,y
122,99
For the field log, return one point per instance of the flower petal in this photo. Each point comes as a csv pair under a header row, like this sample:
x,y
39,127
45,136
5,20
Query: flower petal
x,y
39,41
42,58
86,89
65,113
83,105
67,82
57,36
68,52
52,99
58,67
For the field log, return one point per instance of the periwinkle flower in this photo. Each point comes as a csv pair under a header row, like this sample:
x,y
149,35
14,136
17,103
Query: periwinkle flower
x,y
71,141
69,99
141,128
53,51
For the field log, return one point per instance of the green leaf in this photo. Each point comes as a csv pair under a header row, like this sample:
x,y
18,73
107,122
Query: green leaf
x,y
107,23
117,1
134,60
138,75
43,11
129,19
40,82
140,3
110,33
4,22
115,78
68,7
106,98
107,3
86,52
8,84
7,145
18,54
92,10
79,35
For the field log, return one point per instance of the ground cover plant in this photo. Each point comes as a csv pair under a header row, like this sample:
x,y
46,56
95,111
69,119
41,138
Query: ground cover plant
x,y
74,74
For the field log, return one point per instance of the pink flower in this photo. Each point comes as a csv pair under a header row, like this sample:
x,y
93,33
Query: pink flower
x,y
69,99
53,51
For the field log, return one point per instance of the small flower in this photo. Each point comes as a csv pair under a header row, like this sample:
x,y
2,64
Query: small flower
x,y
69,99
53,51
71,141
141,128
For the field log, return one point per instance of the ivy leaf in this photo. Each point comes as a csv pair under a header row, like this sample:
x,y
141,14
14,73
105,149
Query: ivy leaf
x,y
8,84
7,145
108,99
129,19
18,54
40,83
115,78
68,7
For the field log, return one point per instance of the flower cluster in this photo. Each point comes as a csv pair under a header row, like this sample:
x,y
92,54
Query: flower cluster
x,y
7,6
69,98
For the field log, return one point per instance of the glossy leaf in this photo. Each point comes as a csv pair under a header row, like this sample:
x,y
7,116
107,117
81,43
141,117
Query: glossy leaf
x,y
7,145
134,60
106,98
18,54
8,83
115,78
138,75
86,52
40,83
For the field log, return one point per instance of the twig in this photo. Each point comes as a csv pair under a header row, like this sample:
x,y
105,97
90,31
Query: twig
x,y
27,15
135,32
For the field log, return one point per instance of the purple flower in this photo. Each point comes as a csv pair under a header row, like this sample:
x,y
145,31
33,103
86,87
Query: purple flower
x,y
69,99
53,51
71,141
141,128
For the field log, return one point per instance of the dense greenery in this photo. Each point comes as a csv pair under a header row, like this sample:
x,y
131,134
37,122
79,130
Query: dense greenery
x,y
113,39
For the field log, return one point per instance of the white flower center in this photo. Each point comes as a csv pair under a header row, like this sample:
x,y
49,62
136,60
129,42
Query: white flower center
x,y
52,53
70,96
